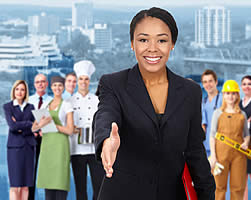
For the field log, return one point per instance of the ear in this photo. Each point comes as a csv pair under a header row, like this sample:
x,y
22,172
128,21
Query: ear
x,y
172,48
132,45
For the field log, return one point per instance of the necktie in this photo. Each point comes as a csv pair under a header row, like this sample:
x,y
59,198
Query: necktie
x,y
40,102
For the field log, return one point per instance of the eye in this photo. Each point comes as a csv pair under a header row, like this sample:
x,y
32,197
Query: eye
x,y
143,40
162,41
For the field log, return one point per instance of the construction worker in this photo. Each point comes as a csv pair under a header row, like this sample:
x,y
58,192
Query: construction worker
x,y
230,122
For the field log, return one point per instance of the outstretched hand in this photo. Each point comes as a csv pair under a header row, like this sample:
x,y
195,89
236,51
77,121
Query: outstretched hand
x,y
109,150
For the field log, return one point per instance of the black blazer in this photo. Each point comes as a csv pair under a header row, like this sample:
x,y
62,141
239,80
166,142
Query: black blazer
x,y
20,132
151,157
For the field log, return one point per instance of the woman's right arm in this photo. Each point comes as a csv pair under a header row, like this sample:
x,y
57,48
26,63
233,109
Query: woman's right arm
x,y
106,123
43,121
15,126
214,124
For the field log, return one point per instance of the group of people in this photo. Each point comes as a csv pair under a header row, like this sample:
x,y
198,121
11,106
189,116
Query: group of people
x,y
145,124
29,149
225,115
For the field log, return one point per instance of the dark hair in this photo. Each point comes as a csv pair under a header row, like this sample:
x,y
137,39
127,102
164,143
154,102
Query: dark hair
x,y
57,79
246,77
209,72
159,13
71,74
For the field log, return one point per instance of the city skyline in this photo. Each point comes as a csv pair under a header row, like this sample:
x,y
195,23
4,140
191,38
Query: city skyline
x,y
131,3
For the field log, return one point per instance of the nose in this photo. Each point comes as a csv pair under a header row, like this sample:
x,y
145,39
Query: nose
x,y
152,46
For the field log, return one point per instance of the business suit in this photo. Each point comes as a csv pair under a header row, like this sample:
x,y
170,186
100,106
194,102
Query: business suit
x,y
20,145
151,156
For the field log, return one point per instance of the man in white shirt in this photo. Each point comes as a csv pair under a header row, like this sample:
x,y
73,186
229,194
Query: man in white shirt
x,y
40,100
70,85
82,147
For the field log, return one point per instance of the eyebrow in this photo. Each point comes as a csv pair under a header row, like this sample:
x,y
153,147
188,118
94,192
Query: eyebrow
x,y
161,34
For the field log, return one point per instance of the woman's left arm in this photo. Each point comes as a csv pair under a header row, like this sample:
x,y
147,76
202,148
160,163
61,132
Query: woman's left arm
x,y
195,154
69,126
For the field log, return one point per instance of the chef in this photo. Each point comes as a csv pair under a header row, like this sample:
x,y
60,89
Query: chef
x,y
81,143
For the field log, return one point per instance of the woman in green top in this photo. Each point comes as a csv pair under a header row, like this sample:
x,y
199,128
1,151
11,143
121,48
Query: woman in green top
x,y
54,160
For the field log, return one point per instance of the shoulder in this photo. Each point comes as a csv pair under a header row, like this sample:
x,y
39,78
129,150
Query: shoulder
x,y
31,106
191,89
217,112
116,76
8,105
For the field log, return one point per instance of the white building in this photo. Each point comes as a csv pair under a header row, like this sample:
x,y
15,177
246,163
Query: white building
x,y
248,30
212,26
43,24
103,37
82,13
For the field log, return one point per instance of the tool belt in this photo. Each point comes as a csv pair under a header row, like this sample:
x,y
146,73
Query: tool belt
x,y
237,146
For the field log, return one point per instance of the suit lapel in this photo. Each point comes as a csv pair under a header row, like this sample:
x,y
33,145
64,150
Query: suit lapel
x,y
175,97
137,90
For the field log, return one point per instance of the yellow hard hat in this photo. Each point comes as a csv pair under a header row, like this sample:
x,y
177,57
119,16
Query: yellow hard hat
x,y
230,86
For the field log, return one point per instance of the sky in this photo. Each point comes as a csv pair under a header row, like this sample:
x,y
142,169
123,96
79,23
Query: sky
x,y
68,3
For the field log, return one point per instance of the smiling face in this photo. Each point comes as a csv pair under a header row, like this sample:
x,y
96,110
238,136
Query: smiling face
x,y
209,83
40,83
152,44
70,83
20,92
230,97
57,88
83,83
246,87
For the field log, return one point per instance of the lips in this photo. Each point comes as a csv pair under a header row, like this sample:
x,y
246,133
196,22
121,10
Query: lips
x,y
152,59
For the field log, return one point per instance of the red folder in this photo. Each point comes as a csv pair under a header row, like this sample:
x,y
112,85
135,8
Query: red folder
x,y
188,184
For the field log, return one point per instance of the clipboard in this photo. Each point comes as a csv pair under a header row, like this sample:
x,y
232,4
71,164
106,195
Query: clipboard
x,y
38,114
188,184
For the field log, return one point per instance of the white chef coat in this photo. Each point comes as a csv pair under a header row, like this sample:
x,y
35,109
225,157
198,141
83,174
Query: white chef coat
x,y
83,111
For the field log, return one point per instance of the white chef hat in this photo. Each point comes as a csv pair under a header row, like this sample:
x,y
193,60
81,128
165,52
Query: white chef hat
x,y
84,67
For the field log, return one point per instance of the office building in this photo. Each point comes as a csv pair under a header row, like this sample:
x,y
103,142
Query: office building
x,y
212,26
82,14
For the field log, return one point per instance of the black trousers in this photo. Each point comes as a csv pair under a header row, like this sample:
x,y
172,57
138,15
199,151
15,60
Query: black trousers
x,y
33,189
79,167
55,194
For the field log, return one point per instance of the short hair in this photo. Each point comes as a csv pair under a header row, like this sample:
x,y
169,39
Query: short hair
x,y
209,72
70,74
159,13
18,82
246,77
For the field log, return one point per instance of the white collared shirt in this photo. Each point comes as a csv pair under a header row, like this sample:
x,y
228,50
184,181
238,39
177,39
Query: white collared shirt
x,y
83,110
15,103
34,99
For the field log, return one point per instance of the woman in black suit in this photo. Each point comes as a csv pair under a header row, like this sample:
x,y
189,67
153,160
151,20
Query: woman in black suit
x,y
148,122
21,141
245,105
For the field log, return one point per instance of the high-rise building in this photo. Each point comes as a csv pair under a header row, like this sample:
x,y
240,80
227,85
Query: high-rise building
x,y
103,37
82,13
43,24
212,26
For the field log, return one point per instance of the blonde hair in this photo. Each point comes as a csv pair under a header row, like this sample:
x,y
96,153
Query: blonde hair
x,y
18,82
236,104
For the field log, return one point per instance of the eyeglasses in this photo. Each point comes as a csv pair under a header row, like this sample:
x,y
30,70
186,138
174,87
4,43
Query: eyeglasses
x,y
37,82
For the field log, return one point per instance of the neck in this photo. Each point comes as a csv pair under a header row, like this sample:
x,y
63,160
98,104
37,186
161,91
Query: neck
x,y
19,101
57,98
247,97
71,92
83,92
230,108
41,93
154,78
213,93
